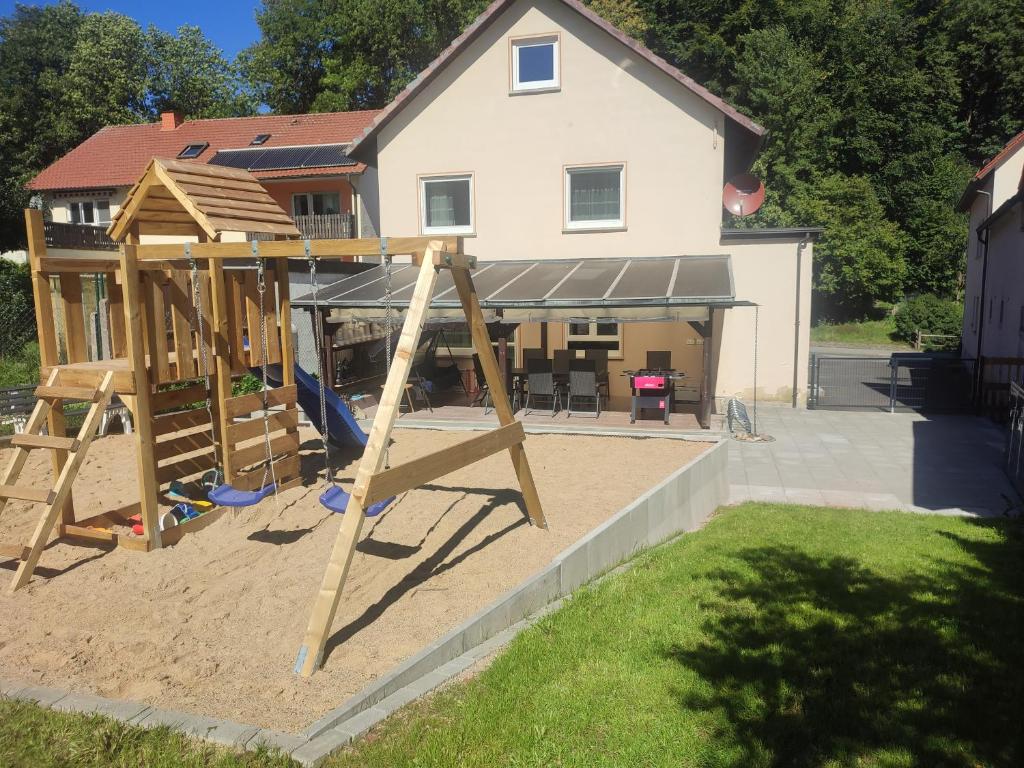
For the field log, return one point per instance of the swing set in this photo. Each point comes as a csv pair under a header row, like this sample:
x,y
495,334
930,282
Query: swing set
x,y
185,320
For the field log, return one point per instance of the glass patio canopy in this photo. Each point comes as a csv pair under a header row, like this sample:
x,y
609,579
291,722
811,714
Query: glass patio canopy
x,y
613,289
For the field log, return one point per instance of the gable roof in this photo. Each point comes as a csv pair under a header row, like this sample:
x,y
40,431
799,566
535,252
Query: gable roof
x,y
485,19
212,198
118,154
1008,151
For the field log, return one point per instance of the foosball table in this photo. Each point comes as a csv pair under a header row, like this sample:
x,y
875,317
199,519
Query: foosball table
x,y
652,389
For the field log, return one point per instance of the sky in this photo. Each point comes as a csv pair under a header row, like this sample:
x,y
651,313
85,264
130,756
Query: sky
x,y
230,24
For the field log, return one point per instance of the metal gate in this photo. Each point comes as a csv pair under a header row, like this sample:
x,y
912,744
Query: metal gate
x,y
915,382
1014,456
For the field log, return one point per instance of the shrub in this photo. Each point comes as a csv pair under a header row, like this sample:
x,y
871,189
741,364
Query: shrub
x,y
21,368
928,314
247,385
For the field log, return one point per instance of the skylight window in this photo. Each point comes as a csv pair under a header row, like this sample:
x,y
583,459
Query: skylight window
x,y
260,139
193,150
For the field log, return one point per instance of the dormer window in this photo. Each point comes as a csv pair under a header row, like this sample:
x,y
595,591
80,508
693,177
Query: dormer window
x,y
259,139
535,64
193,150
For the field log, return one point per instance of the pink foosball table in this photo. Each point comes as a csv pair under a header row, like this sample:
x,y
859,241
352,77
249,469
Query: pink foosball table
x,y
652,389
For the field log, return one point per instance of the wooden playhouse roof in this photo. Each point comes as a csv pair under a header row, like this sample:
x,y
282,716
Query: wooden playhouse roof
x,y
174,197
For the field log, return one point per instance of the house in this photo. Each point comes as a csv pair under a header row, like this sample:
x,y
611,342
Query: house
x,y
994,295
300,159
544,133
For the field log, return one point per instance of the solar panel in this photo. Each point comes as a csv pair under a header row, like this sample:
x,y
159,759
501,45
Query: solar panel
x,y
283,158
193,150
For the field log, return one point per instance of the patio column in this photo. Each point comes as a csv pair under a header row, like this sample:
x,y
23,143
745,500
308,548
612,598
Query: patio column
x,y
705,330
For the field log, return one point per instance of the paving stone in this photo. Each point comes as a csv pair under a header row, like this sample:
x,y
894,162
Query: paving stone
x,y
315,751
365,720
10,688
41,695
270,739
124,711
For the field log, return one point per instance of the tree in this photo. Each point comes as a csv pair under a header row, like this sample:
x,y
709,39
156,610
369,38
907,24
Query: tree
x,y
624,14
188,73
860,259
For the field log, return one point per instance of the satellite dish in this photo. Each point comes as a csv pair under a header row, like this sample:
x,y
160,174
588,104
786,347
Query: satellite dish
x,y
743,194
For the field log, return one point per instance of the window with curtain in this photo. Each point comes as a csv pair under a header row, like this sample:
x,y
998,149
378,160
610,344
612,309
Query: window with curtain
x,y
594,197
446,203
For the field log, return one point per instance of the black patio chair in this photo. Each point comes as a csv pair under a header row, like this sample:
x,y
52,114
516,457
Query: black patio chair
x,y
532,353
583,386
659,361
541,385
562,358
600,358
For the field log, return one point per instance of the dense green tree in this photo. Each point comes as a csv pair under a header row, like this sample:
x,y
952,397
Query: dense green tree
x,y
189,73
627,15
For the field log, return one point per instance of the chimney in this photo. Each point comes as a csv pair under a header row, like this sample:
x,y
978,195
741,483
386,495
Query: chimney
x,y
170,120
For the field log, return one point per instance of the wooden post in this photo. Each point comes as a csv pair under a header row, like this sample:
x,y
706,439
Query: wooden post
x,y
284,316
46,330
326,605
144,443
706,395
496,385
221,361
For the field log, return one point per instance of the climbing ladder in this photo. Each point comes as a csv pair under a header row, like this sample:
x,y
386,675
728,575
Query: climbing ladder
x,y
70,452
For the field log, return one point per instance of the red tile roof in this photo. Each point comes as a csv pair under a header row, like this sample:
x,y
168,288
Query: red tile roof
x,y
484,20
1004,154
117,155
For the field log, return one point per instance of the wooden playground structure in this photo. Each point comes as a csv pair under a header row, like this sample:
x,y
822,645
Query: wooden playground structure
x,y
188,318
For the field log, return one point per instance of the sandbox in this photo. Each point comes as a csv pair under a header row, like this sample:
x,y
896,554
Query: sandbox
x,y
211,625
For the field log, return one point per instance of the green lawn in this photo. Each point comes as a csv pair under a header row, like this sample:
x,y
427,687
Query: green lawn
x,y
868,333
777,636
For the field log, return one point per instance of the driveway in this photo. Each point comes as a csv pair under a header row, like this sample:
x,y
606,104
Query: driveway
x,y
947,464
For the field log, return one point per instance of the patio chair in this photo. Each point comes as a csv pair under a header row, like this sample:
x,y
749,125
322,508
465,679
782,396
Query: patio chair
x,y
562,359
540,383
483,395
532,353
659,361
583,386
600,358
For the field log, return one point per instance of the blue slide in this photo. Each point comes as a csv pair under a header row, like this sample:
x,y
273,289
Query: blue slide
x,y
342,427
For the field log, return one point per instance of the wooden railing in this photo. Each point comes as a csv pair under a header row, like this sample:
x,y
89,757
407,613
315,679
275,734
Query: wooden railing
x,y
997,373
77,236
329,226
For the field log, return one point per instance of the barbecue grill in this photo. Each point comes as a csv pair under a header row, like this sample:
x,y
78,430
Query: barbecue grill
x,y
652,388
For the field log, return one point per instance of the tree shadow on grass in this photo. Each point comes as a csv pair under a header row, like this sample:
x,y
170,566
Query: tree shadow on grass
x,y
819,661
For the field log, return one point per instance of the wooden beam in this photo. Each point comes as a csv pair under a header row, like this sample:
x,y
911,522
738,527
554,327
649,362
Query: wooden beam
x,y
452,260
496,385
74,320
20,455
59,265
179,293
156,327
222,364
244,404
326,604
423,469
247,430
324,249
143,433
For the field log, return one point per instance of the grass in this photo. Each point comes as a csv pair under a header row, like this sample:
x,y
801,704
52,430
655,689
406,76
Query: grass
x,y
777,636
868,333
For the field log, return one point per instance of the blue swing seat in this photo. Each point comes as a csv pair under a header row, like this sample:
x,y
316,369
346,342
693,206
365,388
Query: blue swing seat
x,y
336,500
226,496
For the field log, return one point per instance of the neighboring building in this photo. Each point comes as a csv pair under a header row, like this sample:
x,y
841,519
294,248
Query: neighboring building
x,y
544,132
994,296
301,159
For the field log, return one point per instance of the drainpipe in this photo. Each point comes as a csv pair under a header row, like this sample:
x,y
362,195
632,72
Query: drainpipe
x,y
796,323
979,373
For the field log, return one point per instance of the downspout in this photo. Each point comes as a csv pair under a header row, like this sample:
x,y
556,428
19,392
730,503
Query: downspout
x,y
796,322
979,372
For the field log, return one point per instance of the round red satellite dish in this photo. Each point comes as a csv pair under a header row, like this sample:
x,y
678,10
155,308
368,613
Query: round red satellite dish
x,y
743,194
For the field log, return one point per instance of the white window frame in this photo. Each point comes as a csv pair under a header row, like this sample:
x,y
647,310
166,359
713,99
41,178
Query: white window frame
x,y
532,86
422,182
95,203
600,224
592,335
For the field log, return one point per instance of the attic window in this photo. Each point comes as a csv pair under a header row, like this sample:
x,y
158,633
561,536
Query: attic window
x,y
535,64
260,139
192,150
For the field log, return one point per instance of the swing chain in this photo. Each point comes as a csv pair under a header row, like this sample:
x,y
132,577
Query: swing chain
x,y
389,318
197,311
318,333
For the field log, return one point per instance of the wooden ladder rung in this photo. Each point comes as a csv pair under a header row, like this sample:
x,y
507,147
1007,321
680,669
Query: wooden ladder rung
x,y
45,441
67,393
27,493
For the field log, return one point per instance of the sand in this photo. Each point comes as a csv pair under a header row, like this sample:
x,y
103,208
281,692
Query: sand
x,y
212,625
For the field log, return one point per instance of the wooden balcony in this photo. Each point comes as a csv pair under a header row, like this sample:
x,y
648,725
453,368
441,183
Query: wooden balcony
x,y
83,237
327,226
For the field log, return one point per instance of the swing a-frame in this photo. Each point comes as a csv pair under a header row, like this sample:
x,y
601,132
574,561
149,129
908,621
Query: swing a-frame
x,y
374,483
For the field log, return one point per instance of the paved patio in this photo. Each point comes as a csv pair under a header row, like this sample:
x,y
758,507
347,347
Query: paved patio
x,y
946,464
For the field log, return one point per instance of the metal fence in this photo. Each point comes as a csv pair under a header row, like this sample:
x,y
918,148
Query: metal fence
x,y
1014,454
915,382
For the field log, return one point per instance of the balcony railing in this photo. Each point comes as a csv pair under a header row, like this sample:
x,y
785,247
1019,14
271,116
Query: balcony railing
x,y
77,236
326,226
